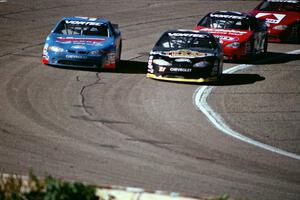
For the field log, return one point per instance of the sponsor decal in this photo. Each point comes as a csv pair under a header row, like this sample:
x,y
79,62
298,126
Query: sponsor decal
x,y
187,35
83,23
223,31
82,40
186,54
271,18
180,69
227,38
78,47
226,16
76,57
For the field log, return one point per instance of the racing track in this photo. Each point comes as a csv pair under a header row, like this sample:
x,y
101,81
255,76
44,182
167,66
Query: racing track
x,y
121,128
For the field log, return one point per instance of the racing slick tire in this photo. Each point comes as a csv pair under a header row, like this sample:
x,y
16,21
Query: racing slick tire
x,y
118,60
265,45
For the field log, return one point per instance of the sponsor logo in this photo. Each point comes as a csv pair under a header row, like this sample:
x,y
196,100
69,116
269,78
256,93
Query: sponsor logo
x,y
187,35
227,38
91,23
223,31
271,18
82,40
226,16
180,69
78,47
185,54
76,57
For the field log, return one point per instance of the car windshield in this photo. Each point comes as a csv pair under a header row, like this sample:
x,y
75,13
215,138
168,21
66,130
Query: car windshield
x,y
273,5
73,27
225,22
177,40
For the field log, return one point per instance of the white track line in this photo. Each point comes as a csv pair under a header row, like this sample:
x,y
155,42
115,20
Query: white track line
x,y
200,97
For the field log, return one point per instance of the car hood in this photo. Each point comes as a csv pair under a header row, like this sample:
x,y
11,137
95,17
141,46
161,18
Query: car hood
x,y
84,43
227,36
184,53
274,18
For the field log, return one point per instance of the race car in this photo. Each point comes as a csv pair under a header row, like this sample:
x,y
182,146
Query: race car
x,y
83,42
282,17
240,34
186,56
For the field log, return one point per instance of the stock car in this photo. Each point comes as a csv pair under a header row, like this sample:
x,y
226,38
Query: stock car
x,y
186,56
241,34
83,42
282,17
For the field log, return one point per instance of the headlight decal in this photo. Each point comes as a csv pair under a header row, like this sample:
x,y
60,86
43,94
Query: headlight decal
x,y
280,27
161,62
56,49
234,45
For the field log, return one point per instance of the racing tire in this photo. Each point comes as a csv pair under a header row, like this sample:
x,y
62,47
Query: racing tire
x,y
220,71
265,45
118,61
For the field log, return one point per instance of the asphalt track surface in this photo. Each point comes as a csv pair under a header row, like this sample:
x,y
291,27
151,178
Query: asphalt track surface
x,y
121,128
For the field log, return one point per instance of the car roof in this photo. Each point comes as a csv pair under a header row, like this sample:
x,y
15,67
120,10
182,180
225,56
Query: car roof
x,y
230,13
86,19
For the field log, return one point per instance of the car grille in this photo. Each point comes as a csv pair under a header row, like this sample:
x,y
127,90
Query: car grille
x,y
79,52
76,63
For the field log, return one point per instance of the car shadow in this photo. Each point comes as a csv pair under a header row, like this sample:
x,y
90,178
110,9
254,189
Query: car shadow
x,y
125,66
268,58
237,79
230,79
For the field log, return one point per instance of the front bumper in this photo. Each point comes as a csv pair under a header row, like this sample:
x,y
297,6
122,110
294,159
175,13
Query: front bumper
x,y
291,34
183,73
82,61
182,79
235,53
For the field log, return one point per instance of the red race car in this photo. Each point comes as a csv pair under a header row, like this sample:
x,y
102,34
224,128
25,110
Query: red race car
x,y
240,34
282,17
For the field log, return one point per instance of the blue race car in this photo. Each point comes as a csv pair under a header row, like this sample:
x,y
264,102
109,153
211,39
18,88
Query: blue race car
x,y
83,42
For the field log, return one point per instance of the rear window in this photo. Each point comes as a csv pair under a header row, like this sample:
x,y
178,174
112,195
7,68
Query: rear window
x,y
185,41
274,5
73,27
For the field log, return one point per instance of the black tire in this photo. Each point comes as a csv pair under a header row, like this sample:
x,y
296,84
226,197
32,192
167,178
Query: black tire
x,y
265,45
118,62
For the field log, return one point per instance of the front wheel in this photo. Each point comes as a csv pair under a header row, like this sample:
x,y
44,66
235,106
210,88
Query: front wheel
x,y
265,46
119,53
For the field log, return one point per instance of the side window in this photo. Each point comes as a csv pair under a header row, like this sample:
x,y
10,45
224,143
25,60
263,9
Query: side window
x,y
254,25
112,30
205,21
